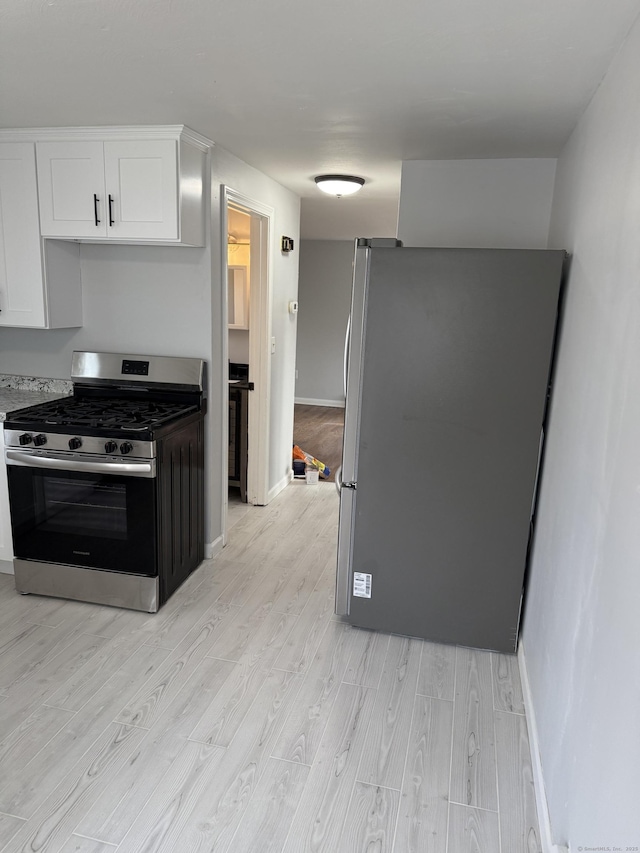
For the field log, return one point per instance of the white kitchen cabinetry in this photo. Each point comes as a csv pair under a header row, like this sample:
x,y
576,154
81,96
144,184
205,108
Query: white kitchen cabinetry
x,y
238,299
70,179
128,186
39,280
6,543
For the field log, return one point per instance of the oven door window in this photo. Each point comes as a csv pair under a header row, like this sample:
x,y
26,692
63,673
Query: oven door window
x,y
92,520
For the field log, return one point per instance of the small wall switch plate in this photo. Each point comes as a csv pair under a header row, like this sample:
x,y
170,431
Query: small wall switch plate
x,y
287,244
293,307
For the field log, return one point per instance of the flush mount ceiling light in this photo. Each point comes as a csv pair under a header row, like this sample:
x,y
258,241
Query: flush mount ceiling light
x,y
339,184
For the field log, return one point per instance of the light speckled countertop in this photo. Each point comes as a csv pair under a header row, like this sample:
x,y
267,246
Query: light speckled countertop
x,y
18,392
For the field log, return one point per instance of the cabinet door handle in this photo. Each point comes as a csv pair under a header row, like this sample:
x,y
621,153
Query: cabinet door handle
x,y
111,219
95,209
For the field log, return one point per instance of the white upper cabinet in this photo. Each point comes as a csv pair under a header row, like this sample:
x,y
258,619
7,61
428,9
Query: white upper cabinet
x,y
126,187
71,189
39,281
142,189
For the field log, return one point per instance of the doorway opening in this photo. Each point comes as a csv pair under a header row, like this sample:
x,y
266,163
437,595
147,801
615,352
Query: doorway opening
x,y
319,431
248,303
324,290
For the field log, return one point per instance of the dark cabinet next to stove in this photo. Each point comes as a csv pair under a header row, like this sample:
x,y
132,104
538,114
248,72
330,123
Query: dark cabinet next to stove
x,y
180,506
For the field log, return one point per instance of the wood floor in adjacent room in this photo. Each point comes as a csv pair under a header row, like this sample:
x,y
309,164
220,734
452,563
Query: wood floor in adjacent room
x,y
319,430
246,717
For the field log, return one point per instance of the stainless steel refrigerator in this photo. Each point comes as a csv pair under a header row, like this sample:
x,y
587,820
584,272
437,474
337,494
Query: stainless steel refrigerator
x,y
449,363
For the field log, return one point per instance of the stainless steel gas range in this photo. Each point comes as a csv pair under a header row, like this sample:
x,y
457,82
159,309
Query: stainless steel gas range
x,y
106,487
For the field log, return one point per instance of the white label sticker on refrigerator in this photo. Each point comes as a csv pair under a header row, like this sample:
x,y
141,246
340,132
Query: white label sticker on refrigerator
x,y
361,585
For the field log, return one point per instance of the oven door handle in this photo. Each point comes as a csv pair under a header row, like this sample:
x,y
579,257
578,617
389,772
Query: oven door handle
x,y
29,460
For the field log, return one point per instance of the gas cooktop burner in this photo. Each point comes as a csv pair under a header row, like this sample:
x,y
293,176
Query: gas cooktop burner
x,y
109,414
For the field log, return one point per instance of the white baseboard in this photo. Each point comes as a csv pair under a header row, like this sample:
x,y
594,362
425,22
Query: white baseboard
x,y
308,401
212,549
6,567
284,482
544,819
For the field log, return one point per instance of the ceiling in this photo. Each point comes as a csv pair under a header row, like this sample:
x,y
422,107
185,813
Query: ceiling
x,y
298,88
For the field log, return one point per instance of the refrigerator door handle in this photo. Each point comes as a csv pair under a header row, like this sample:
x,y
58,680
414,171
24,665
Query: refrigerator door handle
x,y
340,485
346,356
349,470
353,364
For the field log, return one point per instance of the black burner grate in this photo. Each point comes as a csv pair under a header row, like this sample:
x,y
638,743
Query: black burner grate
x,y
102,413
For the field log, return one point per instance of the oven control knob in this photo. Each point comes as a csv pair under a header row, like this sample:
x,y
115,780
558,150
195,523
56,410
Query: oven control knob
x,y
39,439
110,446
126,447
25,438
75,443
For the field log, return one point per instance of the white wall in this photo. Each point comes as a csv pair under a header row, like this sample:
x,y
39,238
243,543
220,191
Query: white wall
x,y
237,175
138,299
476,203
581,628
168,300
324,295
239,346
135,298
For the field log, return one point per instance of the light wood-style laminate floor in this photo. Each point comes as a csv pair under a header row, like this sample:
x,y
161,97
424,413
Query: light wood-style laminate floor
x,y
246,717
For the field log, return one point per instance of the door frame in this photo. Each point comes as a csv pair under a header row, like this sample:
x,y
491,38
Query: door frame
x,y
260,289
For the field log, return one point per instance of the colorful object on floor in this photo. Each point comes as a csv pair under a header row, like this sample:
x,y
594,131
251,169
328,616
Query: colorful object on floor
x,y
312,475
298,453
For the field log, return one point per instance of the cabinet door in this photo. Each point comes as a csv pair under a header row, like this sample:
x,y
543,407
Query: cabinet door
x,y
238,300
142,189
22,299
71,189
6,544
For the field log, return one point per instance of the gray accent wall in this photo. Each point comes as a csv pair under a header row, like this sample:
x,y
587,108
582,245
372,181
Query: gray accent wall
x,y
582,614
360,215
324,297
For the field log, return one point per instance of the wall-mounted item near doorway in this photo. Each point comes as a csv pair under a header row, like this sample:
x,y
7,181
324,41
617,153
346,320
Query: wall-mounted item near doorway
x,y
238,297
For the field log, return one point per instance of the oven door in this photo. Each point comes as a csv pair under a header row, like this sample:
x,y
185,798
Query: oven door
x,y
64,513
